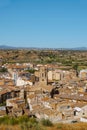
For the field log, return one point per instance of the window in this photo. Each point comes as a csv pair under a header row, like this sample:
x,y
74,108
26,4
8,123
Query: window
x,y
42,74
42,79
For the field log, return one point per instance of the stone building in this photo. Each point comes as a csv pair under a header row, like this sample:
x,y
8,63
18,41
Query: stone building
x,y
43,75
83,74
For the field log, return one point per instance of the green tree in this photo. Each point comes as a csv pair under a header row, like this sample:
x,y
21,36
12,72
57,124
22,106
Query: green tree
x,y
75,67
3,70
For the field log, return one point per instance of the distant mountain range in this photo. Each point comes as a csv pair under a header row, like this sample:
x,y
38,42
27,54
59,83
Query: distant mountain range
x,y
5,47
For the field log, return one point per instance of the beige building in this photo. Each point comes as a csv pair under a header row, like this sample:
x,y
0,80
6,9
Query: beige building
x,y
41,75
83,74
54,75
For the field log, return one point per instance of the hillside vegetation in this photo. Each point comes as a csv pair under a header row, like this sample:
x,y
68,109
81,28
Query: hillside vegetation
x,y
26,123
61,57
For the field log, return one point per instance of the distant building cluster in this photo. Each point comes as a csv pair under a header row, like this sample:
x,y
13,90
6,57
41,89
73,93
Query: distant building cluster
x,y
43,91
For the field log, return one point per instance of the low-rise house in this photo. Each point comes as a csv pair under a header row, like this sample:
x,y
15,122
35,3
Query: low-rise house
x,y
16,107
83,74
47,113
21,82
83,119
8,92
2,111
16,112
83,111
45,102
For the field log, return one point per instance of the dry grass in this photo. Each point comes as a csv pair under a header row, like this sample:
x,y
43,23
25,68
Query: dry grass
x,y
7,127
77,126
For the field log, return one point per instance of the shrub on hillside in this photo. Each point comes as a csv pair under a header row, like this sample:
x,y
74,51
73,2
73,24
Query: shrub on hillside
x,y
46,122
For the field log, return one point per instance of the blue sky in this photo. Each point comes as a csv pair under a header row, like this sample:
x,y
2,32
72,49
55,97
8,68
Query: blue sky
x,y
43,23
